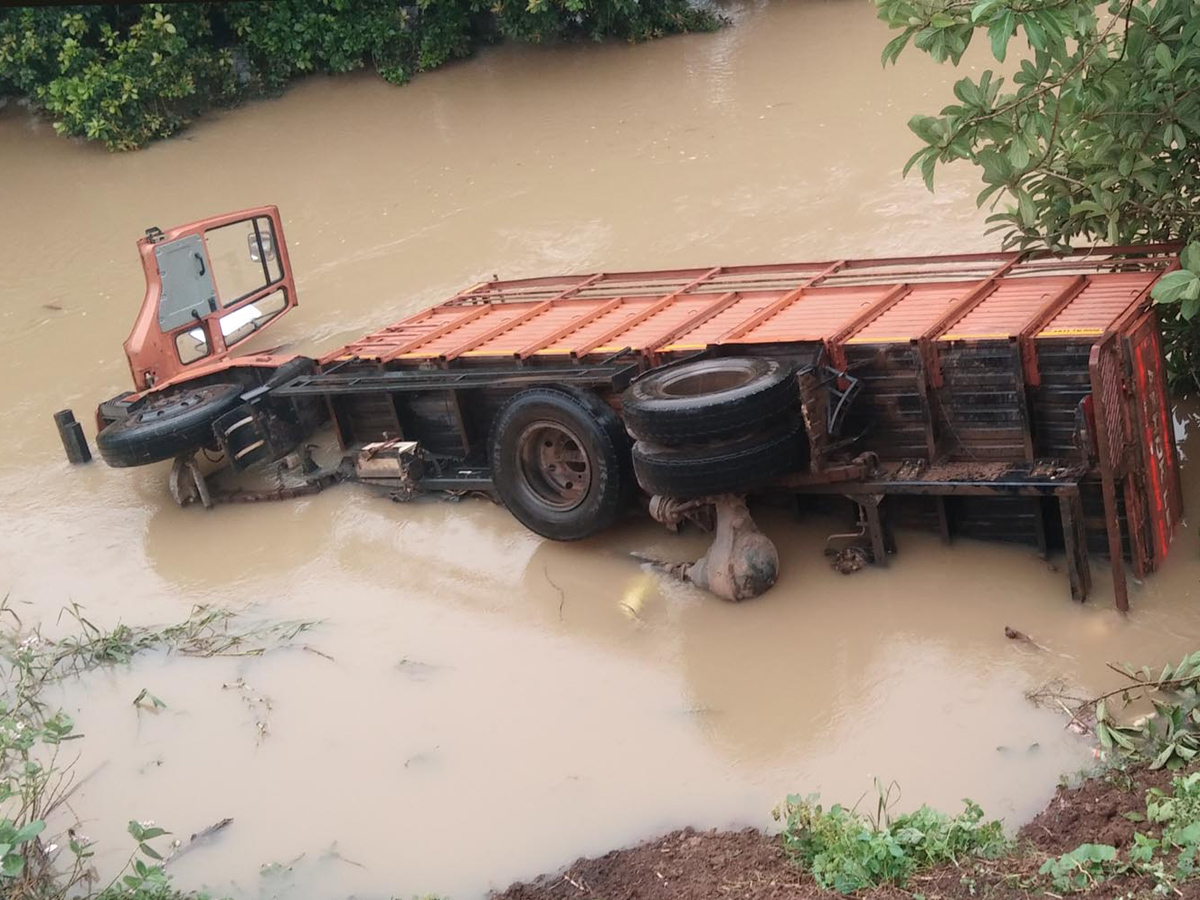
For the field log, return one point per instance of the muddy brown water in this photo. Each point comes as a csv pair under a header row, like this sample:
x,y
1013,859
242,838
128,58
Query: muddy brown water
x,y
497,704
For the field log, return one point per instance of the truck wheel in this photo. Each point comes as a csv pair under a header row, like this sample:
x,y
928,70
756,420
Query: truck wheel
x,y
719,467
166,426
560,462
708,400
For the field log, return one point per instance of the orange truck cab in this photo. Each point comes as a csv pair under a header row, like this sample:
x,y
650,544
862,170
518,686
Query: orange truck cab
x,y
211,285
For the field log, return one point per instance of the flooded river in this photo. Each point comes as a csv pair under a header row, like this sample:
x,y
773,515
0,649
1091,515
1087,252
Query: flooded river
x,y
496,704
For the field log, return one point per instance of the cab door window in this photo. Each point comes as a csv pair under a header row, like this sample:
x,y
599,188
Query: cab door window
x,y
239,324
244,258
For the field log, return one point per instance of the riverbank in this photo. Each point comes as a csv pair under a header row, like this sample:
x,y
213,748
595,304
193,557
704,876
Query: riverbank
x,y
1106,810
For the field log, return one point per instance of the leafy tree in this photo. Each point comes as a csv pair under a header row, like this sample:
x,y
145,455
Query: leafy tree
x,y
1091,133
126,75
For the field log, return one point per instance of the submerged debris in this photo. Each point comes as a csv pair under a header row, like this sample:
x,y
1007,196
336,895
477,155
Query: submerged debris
x,y
259,706
849,560
200,837
1013,635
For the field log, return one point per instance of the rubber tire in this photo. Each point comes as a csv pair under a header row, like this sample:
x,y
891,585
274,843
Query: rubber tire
x,y
719,467
654,414
166,426
606,445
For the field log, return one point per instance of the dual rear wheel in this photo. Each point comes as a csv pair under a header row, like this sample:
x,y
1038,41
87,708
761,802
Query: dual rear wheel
x,y
561,457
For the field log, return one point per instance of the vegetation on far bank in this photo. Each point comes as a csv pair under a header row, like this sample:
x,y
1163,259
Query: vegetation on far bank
x,y
1094,137
126,75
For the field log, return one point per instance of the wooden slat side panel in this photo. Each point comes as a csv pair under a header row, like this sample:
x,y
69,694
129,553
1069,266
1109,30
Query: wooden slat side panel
x,y
1063,364
889,410
980,404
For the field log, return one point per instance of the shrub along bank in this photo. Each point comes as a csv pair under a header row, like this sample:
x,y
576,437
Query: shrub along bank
x,y
126,75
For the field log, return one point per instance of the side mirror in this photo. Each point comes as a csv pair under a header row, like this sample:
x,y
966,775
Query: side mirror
x,y
267,246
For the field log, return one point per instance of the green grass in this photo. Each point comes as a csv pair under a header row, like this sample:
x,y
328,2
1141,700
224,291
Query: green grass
x,y
847,851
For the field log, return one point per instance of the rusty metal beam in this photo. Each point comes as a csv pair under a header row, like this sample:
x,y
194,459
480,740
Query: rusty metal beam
x,y
1079,573
1109,458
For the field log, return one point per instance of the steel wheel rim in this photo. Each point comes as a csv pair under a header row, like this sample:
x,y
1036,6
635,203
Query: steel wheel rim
x,y
553,466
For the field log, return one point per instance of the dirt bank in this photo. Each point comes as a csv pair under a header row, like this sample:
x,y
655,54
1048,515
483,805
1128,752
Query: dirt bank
x,y
752,865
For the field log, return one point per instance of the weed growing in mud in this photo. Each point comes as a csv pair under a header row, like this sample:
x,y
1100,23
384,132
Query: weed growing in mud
x,y
847,851
1167,850
35,782
1169,857
1083,867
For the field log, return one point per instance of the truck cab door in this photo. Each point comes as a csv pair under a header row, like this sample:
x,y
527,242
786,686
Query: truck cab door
x,y
210,286
188,293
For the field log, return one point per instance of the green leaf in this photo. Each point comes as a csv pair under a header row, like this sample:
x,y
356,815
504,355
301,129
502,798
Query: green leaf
x,y
927,170
1034,31
1190,259
1162,758
999,33
1172,286
1018,155
149,851
29,832
1121,739
1189,307
13,865
1162,53
1102,734
983,8
1026,208
894,47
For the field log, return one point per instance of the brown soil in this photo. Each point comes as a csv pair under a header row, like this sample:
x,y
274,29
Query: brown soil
x,y
752,865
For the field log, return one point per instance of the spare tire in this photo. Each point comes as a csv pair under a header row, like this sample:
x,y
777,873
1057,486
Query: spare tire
x,y
719,467
709,399
167,425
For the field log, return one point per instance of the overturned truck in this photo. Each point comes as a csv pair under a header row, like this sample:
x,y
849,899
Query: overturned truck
x,y
1018,396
